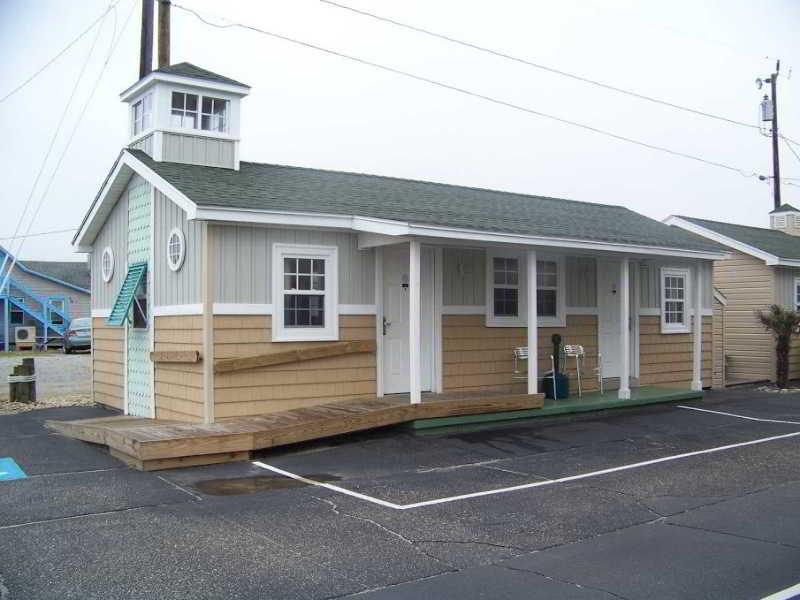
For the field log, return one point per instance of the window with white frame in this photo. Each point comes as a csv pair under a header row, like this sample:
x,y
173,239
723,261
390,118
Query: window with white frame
x,y
506,291
796,304
674,295
194,111
107,264
57,304
184,110
304,292
176,249
16,316
214,115
142,114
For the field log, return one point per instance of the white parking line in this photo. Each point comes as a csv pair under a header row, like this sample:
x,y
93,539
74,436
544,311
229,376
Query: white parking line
x,y
727,414
535,484
787,594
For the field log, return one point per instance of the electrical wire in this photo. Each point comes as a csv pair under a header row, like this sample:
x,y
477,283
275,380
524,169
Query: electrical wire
x,y
535,65
60,54
792,150
466,92
112,48
38,234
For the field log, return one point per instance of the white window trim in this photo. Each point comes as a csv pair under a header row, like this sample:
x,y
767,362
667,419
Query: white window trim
x,y
199,111
146,126
686,327
330,332
795,304
521,320
176,266
110,275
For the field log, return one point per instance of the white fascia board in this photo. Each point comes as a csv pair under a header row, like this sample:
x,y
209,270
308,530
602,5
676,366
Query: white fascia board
x,y
154,76
122,171
768,258
177,310
400,229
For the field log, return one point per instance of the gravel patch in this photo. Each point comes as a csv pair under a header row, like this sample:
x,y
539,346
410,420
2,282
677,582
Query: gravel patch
x,y
12,408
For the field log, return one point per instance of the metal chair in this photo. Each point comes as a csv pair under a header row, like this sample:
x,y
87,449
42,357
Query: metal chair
x,y
579,353
520,354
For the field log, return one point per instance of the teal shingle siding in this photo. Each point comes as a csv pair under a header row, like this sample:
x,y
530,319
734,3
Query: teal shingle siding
x,y
293,189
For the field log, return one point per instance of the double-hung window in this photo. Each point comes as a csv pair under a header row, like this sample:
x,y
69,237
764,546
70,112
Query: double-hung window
x,y
214,116
674,301
16,316
506,302
142,114
57,304
304,292
184,110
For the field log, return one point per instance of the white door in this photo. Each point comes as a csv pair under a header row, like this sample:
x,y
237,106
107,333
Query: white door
x,y
395,319
608,310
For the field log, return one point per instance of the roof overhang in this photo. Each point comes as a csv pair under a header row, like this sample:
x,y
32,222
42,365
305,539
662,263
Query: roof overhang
x,y
154,76
769,259
375,229
114,184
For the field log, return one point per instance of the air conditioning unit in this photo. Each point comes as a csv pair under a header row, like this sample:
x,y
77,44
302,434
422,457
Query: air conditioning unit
x,y
25,338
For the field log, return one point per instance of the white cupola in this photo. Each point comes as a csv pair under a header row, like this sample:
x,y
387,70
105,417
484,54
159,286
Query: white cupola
x,y
785,218
182,113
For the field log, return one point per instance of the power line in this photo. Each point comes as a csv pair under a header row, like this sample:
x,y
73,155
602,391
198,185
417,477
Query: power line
x,y
50,147
61,53
535,65
467,92
797,156
112,48
37,234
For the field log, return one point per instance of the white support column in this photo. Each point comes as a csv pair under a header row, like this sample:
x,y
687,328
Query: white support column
x,y
624,330
697,329
533,327
414,322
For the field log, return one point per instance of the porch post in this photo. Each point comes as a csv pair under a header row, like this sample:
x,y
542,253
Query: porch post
x,y
624,330
697,330
533,327
414,322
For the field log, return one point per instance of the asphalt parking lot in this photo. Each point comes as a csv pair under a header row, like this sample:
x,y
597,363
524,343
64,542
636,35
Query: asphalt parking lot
x,y
659,502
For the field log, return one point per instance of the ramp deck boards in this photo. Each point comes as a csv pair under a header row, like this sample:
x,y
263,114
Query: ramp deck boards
x,y
151,444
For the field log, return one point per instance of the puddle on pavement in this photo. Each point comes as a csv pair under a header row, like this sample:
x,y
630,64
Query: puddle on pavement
x,y
259,483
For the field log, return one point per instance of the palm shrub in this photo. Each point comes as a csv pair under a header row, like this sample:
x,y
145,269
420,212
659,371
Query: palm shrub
x,y
782,323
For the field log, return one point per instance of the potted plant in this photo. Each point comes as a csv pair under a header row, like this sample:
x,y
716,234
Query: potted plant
x,y
561,391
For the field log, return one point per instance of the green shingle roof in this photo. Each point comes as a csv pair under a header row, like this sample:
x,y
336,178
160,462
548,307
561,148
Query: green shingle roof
x,y
189,70
72,272
268,187
771,241
784,208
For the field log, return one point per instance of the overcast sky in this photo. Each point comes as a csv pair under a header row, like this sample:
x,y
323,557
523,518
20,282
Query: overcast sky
x,y
315,110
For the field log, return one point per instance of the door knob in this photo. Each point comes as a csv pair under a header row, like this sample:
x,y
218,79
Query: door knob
x,y
385,325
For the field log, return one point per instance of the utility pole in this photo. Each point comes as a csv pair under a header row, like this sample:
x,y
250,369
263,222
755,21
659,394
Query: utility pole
x,y
146,45
163,33
776,169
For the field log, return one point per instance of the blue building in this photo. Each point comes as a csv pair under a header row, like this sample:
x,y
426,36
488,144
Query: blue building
x,y
43,295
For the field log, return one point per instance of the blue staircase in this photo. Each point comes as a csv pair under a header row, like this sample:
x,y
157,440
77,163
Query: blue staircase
x,y
40,316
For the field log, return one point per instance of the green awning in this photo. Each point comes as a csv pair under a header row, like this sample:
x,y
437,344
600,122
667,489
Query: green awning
x,y
136,272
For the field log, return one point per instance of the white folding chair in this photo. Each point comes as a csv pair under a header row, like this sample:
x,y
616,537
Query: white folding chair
x,y
520,354
579,353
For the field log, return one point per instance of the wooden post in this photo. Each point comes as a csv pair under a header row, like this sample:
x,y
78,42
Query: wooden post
x,y
163,33
207,291
624,330
415,322
146,42
697,330
23,391
533,326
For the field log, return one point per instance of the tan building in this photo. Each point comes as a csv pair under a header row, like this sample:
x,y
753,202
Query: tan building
x,y
224,289
763,269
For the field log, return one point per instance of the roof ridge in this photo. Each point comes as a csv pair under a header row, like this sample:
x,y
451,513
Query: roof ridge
x,y
435,183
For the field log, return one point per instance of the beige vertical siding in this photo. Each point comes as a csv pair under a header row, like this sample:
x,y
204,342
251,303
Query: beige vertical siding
x,y
281,387
666,359
108,355
718,346
477,357
179,386
749,285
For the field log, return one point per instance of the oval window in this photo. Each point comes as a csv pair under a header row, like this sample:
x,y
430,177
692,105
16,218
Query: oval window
x,y
107,264
176,249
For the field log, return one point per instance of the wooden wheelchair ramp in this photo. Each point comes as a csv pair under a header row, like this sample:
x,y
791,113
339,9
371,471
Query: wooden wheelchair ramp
x,y
152,444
